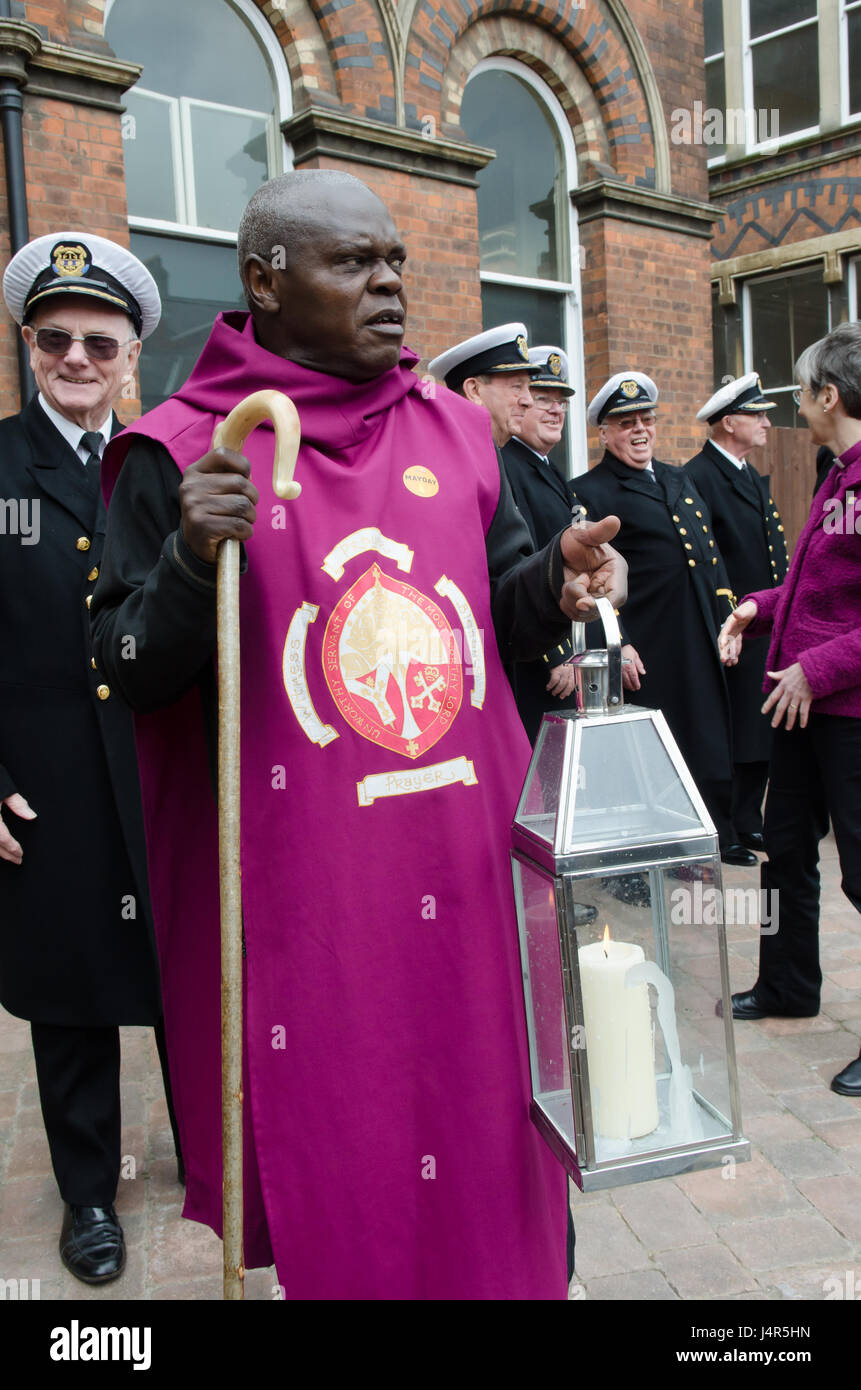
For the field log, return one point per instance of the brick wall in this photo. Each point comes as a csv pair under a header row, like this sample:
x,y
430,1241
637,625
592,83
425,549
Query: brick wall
x,y
645,291
439,224
645,298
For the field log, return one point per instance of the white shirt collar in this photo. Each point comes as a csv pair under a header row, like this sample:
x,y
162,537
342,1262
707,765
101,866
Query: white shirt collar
x,y
72,433
739,463
542,457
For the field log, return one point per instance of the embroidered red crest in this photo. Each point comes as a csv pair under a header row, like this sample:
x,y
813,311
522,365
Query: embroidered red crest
x,y
392,664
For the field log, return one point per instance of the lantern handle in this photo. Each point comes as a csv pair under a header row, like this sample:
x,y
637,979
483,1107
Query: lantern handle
x,y
613,639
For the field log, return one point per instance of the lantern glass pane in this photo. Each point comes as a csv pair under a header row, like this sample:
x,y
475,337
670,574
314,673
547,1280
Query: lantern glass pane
x,y
627,790
539,801
543,998
656,1055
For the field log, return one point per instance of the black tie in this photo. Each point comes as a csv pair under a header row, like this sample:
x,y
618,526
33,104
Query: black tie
x,y
749,482
91,440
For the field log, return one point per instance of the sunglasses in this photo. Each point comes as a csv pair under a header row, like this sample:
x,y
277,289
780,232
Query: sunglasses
x,y
98,347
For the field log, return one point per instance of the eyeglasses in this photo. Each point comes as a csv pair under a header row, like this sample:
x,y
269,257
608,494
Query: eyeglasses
x,y
98,346
550,405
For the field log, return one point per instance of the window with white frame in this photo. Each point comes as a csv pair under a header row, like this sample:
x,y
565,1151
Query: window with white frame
x,y
715,69
783,314
782,66
526,225
201,132
851,47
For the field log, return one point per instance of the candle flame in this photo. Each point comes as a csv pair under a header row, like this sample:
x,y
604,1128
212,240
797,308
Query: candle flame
x,y
606,938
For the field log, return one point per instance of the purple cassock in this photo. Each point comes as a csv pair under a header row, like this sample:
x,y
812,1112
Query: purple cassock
x,y
389,1152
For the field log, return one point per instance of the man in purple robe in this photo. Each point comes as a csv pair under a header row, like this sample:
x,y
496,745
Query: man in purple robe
x,y
388,1148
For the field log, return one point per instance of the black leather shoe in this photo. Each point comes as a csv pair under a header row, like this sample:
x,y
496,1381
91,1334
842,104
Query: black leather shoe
x,y
92,1245
737,854
746,1005
753,841
848,1081
584,913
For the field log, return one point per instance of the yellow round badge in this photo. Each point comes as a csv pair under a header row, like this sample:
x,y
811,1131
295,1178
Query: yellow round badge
x,y
421,482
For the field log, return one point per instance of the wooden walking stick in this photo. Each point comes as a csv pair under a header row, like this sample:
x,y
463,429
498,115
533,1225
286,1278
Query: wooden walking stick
x,y
231,434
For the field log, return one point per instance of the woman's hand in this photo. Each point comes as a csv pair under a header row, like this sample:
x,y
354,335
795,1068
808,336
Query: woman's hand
x,y
791,697
729,637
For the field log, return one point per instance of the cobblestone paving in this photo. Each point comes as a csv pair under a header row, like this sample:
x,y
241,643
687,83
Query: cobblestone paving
x,y
787,1225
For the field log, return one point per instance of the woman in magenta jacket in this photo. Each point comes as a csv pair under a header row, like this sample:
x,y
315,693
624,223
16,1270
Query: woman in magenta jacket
x,y
814,693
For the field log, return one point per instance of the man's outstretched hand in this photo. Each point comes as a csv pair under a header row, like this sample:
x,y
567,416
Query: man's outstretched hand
x,y
593,569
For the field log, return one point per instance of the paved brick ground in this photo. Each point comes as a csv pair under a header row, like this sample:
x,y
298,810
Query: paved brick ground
x,y
781,1227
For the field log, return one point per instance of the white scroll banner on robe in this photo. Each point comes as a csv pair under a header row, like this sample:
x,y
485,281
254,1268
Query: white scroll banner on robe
x,y
369,538
448,589
295,680
416,779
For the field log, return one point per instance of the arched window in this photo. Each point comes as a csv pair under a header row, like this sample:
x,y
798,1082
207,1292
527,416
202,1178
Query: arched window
x,y
201,132
527,229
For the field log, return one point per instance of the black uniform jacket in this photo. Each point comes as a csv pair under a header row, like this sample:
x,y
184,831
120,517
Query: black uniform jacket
x,y
750,537
678,596
544,500
76,942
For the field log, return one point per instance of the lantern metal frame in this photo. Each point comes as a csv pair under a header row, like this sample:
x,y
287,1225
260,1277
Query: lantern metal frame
x,y
649,854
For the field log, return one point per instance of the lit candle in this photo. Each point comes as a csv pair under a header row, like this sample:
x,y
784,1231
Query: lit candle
x,y
620,1052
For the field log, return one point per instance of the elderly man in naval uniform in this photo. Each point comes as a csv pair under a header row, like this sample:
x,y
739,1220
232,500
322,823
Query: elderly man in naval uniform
x,y
77,955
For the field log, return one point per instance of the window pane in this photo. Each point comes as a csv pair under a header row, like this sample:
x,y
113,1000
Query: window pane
x,y
853,24
768,15
196,48
542,312
522,199
148,154
786,315
713,17
230,163
786,77
715,101
196,280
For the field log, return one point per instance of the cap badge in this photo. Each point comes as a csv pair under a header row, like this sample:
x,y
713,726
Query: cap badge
x,y
71,259
629,389
759,385
522,347
554,362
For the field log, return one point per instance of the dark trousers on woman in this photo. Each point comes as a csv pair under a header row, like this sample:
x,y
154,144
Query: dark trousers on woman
x,y
815,773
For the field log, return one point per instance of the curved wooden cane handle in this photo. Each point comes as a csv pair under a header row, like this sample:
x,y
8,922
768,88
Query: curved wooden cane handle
x,y
247,415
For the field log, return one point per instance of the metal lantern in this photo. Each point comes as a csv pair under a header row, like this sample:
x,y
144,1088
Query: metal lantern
x,y
617,880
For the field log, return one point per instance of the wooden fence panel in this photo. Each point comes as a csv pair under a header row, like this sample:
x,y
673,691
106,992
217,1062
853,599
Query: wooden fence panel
x,y
788,457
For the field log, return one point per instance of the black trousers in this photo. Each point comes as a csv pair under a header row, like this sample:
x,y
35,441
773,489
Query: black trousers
x,y
815,773
78,1071
748,789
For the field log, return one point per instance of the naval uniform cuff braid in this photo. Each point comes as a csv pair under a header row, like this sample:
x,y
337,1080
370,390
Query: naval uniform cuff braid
x,y
7,786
